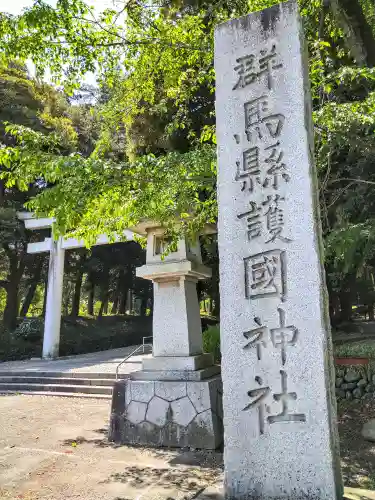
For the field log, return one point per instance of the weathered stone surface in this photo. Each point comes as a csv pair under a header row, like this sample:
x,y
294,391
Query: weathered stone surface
x,y
170,390
349,395
127,392
219,404
358,393
172,434
199,395
167,423
119,397
207,396
274,327
362,383
141,391
339,381
349,386
179,363
177,375
352,376
183,411
368,430
206,425
136,412
176,320
157,411
340,393
370,388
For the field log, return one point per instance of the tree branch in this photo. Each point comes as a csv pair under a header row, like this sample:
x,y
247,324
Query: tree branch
x,y
137,42
353,181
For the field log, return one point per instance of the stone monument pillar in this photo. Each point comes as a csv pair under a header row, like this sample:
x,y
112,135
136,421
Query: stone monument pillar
x,y
175,400
279,407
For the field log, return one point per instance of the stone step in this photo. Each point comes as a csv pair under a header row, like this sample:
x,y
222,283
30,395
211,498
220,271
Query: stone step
x,y
83,375
58,394
89,389
26,379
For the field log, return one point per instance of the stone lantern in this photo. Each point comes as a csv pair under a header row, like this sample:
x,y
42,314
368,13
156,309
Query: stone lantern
x,y
175,400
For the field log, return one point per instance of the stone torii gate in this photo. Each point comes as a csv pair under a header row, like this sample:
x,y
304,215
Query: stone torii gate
x,y
56,249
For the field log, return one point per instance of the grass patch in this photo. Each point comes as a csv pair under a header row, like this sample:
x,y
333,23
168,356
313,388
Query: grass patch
x,y
360,349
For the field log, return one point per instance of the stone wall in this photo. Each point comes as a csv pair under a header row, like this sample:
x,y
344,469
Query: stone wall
x,y
355,382
168,413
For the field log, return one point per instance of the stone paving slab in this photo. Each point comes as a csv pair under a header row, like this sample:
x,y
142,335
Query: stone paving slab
x,y
97,362
56,449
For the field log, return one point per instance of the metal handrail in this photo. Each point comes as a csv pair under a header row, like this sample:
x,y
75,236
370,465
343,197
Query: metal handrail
x,y
146,343
142,346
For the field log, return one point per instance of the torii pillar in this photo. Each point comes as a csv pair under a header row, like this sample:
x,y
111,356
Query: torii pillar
x,y
52,322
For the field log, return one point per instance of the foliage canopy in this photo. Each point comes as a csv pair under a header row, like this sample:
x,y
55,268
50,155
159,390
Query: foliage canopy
x,y
155,153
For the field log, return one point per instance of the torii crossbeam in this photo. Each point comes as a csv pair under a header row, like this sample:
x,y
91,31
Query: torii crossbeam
x,y
56,249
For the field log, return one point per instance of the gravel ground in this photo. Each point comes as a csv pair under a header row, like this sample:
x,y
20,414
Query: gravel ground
x,y
55,448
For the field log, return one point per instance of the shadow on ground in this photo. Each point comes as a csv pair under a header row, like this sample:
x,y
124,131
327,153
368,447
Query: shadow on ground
x,y
204,459
184,480
101,442
186,472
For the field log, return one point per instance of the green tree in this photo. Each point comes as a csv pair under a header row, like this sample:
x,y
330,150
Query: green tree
x,y
154,63
38,107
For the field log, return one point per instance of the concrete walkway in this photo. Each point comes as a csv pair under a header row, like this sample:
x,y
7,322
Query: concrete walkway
x,y
96,362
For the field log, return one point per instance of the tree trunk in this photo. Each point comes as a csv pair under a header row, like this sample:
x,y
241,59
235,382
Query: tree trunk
x,y
334,306
74,312
115,305
45,298
144,302
16,268
32,287
103,305
216,306
66,299
345,306
116,299
11,306
2,193
371,312
359,37
130,301
123,299
90,299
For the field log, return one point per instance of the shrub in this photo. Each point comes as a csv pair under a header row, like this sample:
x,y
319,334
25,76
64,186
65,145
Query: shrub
x,y
30,329
211,341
